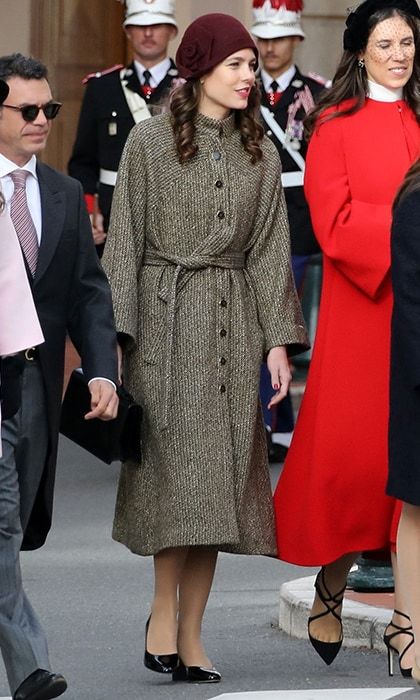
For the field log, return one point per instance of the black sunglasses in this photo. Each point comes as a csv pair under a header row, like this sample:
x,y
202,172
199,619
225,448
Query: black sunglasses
x,y
30,112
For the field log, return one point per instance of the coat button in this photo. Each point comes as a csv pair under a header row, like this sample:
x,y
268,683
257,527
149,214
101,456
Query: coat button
x,y
222,361
223,303
220,215
219,184
223,333
217,155
269,132
222,388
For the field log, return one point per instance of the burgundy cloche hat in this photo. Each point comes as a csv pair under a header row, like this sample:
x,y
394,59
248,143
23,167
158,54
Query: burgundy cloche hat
x,y
357,32
4,91
208,41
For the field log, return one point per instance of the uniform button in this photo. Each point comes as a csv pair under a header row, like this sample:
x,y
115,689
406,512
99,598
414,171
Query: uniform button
x,y
220,215
223,303
219,184
223,361
269,132
217,155
223,333
222,388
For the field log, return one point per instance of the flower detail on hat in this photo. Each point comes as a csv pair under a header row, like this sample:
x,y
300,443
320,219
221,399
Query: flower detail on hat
x,y
197,51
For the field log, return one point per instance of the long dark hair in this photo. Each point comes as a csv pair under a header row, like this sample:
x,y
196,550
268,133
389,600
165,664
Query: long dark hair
x,y
411,183
184,105
350,81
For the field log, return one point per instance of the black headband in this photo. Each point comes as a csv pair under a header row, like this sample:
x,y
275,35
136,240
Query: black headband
x,y
357,33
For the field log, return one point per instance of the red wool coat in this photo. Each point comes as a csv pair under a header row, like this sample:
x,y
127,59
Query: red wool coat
x,y
331,499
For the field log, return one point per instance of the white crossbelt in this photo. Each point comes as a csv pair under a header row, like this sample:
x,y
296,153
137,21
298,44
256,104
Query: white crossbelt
x,y
295,178
108,177
139,110
136,104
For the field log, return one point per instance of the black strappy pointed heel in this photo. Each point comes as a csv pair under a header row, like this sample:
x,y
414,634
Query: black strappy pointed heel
x,y
389,636
327,650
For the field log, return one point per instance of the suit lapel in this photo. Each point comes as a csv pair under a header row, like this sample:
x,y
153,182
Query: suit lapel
x,y
53,213
133,82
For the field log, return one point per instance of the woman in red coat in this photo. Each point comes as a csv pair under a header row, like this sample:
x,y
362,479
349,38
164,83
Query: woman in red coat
x,y
330,501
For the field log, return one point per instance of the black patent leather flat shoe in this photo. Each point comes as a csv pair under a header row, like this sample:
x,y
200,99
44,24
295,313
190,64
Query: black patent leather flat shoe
x,y
196,674
160,663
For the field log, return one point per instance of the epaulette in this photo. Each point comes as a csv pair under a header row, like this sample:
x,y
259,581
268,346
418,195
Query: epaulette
x,y
320,79
100,73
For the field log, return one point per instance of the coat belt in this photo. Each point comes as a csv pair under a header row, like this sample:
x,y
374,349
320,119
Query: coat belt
x,y
192,263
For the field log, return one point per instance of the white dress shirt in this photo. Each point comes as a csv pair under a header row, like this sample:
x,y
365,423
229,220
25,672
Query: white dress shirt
x,y
283,80
157,72
33,195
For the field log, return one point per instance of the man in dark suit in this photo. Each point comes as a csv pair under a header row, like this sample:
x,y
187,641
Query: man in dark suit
x,y
286,97
118,98
71,294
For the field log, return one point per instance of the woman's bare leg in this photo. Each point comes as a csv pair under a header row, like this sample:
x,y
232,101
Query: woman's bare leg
x,y
162,634
408,552
328,629
400,641
194,589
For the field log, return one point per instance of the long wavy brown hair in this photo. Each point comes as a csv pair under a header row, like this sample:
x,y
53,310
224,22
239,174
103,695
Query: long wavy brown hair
x,y
351,82
411,183
184,104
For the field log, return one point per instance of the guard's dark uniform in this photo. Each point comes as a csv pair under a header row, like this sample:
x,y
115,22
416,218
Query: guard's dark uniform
x,y
303,241
104,124
302,237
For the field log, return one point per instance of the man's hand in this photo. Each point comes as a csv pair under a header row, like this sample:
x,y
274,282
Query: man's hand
x,y
104,400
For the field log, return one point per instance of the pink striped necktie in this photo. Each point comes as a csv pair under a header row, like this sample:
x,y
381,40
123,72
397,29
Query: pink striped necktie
x,y
22,220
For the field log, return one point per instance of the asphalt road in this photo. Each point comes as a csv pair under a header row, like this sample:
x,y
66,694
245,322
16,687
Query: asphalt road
x,y
93,596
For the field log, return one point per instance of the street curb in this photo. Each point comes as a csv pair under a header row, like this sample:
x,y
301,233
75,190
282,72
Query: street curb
x,y
363,625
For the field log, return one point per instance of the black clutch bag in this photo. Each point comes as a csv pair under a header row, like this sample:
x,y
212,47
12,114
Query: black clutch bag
x,y
110,441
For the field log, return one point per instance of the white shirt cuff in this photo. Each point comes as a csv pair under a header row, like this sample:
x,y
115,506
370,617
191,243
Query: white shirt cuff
x,y
103,379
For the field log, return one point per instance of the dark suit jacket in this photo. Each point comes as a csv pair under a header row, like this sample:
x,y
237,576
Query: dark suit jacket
x,y
301,233
404,426
71,294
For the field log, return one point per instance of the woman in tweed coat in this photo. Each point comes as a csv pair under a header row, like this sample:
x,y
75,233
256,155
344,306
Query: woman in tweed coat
x,y
199,264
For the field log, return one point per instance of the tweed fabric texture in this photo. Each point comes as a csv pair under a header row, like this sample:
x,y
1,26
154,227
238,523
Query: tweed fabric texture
x,y
197,333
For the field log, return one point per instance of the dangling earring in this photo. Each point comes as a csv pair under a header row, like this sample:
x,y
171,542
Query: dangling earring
x,y
361,63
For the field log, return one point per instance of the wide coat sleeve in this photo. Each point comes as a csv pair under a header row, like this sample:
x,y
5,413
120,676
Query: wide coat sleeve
x,y
125,241
405,270
349,231
90,320
268,265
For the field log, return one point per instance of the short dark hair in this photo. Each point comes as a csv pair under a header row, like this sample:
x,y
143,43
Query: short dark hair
x,y
18,66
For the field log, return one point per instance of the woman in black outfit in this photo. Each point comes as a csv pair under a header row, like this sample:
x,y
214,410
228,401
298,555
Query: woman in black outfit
x,y
404,429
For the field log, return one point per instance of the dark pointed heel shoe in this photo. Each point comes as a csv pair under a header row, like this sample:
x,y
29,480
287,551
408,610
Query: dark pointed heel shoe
x,y
389,636
160,663
327,650
196,674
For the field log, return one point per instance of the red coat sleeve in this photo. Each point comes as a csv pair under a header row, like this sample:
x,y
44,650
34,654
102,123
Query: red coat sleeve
x,y
354,234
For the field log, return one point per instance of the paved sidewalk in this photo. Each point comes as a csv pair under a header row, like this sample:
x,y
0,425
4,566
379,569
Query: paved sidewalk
x,y
365,615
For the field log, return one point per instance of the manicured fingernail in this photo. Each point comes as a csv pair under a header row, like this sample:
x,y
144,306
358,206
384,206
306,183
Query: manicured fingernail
x,y
276,386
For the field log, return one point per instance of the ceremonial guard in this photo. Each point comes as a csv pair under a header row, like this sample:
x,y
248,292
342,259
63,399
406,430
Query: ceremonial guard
x,y
119,97
287,97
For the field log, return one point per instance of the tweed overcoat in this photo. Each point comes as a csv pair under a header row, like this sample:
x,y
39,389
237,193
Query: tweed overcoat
x,y
199,264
